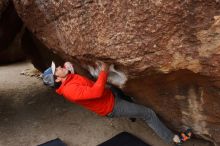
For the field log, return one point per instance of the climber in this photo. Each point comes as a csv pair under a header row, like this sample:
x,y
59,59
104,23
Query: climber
x,y
104,101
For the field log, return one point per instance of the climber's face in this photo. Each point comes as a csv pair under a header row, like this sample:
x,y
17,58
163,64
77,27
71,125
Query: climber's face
x,y
60,73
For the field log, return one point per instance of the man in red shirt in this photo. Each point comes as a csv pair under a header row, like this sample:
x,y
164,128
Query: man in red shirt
x,y
104,101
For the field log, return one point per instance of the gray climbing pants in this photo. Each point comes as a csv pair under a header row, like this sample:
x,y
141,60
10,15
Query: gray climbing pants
x,y
123,108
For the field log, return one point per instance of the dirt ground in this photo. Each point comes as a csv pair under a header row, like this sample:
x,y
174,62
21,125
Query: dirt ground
x,y
31,114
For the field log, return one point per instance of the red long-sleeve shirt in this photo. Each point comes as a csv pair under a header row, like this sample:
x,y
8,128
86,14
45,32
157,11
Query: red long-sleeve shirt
x,y
92,95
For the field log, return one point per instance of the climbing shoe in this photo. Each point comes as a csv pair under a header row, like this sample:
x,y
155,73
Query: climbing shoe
x,y
184,136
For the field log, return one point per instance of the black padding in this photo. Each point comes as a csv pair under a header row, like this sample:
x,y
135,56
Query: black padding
x,y
124,139
55,142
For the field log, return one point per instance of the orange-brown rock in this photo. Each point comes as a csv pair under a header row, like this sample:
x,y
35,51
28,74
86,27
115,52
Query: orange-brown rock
x,y
169,50
182,99
41,56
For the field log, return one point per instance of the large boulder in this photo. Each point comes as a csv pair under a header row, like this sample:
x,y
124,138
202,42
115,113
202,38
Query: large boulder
x,y
167,51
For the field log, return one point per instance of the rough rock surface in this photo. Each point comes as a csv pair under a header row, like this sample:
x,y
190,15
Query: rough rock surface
x,y
163,35
182,99
41,56
153,42
10,33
